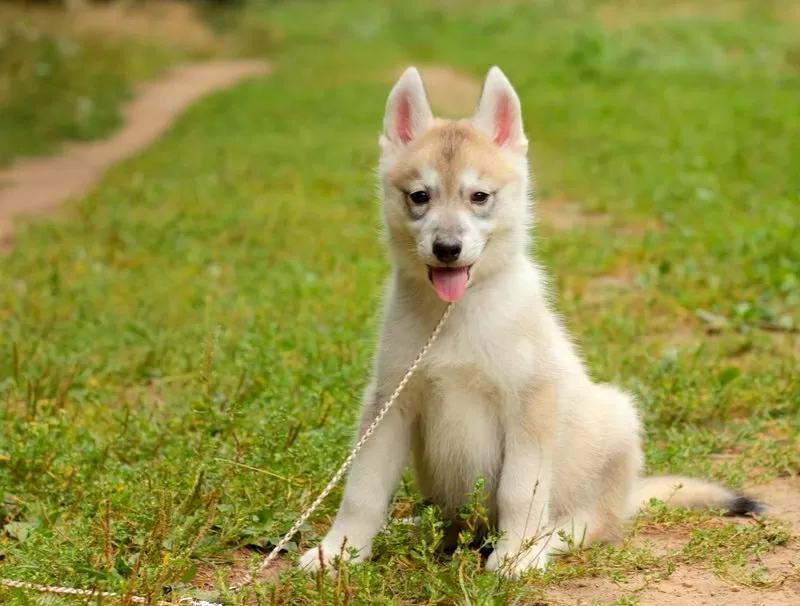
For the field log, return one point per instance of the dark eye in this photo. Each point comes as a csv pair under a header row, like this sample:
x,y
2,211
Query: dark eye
x,y
419,197
479,197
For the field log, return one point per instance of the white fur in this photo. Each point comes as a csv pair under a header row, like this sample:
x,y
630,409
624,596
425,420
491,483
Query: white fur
x,y
502,395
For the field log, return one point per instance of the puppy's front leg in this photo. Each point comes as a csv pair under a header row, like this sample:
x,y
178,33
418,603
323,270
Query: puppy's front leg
x,y
523,497
372,480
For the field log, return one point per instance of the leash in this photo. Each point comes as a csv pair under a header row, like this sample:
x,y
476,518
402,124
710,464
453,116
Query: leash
x,y
94,593
91,593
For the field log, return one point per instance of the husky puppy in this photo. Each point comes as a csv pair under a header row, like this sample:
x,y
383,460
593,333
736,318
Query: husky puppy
x,y
503,393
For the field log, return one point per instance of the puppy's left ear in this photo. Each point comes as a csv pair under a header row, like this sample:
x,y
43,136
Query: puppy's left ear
x,y
499,114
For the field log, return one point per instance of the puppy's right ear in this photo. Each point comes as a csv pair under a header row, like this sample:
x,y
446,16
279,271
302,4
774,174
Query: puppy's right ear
x,y
408,113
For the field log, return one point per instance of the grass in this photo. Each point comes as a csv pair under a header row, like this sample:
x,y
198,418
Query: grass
x,y
181,360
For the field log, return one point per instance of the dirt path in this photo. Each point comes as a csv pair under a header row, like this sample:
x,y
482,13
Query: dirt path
x,y
33,186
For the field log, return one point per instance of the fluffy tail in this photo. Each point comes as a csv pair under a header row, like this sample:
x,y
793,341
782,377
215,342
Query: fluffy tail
x,y
690,493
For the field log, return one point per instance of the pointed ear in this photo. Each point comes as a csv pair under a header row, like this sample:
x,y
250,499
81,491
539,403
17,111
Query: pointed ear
x,y
408,113
499,115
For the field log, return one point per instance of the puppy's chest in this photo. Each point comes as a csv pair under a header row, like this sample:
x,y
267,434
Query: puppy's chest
x,y
459,437
489,356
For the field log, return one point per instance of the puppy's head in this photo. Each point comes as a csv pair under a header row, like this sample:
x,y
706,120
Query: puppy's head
x,y
455,193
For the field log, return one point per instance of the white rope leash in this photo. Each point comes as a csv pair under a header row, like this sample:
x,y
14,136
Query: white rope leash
x,y
93,593
90,593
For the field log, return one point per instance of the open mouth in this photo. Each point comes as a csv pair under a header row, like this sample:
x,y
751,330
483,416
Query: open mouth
x,y
449,282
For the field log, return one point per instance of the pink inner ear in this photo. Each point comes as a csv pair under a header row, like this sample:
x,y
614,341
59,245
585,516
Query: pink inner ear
x,y
402,119
503,116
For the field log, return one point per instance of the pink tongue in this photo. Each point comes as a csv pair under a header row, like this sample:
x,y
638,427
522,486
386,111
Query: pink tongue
x,y
450,283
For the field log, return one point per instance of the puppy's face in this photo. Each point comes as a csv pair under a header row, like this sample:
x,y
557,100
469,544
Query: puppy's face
x,y
452,188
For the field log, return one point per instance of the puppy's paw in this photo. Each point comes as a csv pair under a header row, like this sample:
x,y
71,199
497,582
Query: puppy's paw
x,y
314,559
513,565
324,554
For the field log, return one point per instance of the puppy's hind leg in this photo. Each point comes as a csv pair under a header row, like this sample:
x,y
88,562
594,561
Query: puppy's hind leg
x,y
622,469
605,504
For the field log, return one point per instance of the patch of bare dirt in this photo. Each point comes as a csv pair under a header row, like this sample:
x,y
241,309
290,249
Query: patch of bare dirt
x,y
744,352
687,585
787,343
789,10
34,186
620,14
681,338
702,588
450,92
640,228
234,567
563,215
783,497
601,288
698,586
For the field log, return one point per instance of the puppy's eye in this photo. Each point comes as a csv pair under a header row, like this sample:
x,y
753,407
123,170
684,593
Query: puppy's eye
x,y
419,197
479,197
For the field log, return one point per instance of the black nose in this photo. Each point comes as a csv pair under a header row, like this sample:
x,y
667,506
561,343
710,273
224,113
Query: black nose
x,y
446,252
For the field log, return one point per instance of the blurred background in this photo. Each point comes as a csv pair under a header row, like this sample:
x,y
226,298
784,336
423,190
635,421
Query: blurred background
x,y
70,64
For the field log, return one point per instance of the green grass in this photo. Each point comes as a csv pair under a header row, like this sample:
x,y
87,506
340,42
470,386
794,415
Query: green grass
x,y
213,304
64,87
